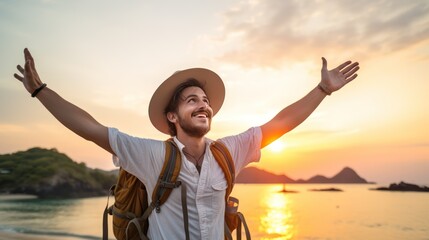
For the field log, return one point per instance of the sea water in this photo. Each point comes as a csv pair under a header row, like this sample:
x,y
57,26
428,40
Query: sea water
x,y
354,213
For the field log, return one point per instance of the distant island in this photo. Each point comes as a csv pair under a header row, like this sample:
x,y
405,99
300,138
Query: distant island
x,y
47,173
403,187
325,190
256,175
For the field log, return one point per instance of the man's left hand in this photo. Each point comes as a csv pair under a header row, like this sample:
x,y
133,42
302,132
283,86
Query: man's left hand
x,y
336,78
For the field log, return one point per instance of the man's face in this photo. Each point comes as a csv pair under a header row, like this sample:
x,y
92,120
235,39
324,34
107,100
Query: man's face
x,y
194,113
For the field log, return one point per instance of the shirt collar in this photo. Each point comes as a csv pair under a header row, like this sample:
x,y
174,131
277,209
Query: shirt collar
x,y
178,143
181,146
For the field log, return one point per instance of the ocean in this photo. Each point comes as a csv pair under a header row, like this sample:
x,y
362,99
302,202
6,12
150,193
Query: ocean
x,y
354,213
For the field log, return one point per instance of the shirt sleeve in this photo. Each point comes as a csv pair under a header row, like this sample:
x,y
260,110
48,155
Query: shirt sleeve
x,y
245,147
138,156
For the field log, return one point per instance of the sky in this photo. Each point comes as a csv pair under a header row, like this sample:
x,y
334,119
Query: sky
x,y
108,57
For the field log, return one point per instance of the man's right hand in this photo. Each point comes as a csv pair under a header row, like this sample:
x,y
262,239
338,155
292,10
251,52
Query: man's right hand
x,y
70,115
29,78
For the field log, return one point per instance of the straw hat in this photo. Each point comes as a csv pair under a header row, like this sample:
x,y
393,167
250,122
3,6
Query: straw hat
x,y
212,86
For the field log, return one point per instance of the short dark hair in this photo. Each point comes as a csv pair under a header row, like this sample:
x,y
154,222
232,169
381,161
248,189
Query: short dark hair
x,y
174,101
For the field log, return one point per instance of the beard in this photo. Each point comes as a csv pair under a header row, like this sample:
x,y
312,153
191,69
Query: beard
x,y
192,130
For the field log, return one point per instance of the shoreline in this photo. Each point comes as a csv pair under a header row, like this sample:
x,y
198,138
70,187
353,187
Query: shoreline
x,y
10,196
7,235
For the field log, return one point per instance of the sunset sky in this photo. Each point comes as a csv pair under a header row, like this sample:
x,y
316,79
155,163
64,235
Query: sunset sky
x,y
108,57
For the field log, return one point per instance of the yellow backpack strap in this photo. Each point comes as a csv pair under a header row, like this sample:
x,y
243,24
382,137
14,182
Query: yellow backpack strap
x,y
224,159
167,179
233,219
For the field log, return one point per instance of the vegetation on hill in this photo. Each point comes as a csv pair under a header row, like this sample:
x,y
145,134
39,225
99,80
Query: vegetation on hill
x,y
51,174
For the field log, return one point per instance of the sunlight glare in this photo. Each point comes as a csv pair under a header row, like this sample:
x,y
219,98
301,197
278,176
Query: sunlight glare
x,y
277,221
277,146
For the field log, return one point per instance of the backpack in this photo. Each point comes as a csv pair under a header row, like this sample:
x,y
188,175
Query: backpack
x,y
131,209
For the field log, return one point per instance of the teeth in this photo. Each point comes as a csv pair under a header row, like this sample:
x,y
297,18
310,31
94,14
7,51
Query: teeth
x,y
201,115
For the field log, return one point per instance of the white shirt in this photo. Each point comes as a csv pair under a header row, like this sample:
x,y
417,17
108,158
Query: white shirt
x,y
144,159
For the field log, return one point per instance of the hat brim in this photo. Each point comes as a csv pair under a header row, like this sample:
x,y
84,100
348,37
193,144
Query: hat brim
x,y
212,85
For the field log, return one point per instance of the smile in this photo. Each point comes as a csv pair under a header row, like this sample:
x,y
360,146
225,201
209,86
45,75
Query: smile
x,y
201,114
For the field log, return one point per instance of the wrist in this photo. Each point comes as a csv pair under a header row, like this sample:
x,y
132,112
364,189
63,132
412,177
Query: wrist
x,y
35,92
324,89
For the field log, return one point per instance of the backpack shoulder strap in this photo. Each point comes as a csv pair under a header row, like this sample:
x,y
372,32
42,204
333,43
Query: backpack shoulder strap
x,y
167,179
233,219
225,161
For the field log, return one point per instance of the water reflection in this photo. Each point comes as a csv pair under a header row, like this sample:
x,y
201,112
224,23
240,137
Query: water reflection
x,y
74,218
277,221
26,212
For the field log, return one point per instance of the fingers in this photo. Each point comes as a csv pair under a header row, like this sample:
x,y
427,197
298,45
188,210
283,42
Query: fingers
x,y
350,67
351,74
28,57
18,77
27,66
351,70
345,64
21,70
27,54
324,64
348,70
351,78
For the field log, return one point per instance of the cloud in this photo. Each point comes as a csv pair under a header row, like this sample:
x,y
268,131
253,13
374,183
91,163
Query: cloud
x,y
272,32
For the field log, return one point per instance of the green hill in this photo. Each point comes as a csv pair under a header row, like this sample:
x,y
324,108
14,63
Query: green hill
x,y
51,174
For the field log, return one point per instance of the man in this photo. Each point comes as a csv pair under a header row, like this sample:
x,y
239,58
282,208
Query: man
x,y
183,107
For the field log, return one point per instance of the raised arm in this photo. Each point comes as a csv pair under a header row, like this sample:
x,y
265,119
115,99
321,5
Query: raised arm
x,y
71,116
293,115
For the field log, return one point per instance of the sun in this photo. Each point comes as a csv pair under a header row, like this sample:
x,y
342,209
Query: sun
x,y
276,146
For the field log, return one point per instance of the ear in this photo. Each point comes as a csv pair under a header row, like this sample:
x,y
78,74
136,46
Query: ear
x,y
172,117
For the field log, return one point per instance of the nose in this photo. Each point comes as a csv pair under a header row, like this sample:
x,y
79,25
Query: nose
x,y
203,104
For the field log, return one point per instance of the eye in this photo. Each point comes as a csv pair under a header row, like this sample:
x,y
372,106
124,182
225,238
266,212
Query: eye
x,y
191,100
206,100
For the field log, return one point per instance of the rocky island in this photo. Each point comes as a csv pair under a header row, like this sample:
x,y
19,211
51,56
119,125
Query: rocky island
x,y
403,187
